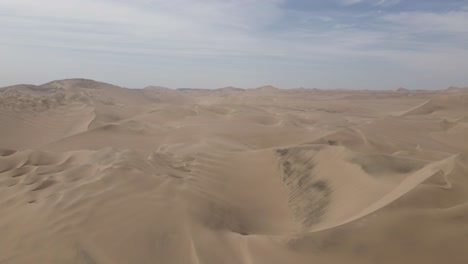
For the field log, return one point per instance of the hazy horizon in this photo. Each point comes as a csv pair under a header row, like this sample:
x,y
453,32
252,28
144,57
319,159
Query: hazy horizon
x,y
236,87
347,44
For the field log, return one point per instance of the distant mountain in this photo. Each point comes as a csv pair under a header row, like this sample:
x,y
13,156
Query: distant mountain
x,y
267,88
401,89
192,89
231,89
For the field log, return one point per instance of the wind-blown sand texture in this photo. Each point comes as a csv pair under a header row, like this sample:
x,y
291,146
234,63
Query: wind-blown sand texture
x,y
93,173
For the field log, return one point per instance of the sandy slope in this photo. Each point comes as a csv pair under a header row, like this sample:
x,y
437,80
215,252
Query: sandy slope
x,y
95,173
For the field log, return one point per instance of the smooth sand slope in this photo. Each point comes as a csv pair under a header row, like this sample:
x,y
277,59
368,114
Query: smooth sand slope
x,y
93,173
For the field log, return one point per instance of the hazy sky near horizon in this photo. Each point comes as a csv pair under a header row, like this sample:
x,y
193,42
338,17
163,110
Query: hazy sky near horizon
x,y
370,44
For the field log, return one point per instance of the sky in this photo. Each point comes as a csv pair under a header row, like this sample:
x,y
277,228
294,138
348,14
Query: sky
x,y
351,44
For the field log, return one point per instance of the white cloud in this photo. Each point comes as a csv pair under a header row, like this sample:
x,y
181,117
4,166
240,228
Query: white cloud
x,y
448,22
351,2
180,26
372,2
387,2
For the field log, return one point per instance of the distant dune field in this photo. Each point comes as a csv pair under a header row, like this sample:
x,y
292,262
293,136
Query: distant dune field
x,y
94,173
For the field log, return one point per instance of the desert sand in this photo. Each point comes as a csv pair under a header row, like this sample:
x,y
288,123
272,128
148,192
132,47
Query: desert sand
x,y
95,173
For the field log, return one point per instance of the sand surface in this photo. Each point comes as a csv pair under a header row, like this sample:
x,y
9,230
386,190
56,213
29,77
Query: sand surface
x,y
94,173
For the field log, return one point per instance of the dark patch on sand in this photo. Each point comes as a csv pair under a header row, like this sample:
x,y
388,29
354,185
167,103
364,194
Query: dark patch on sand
x,y
45,184
309,197
7,152
282,152
379,164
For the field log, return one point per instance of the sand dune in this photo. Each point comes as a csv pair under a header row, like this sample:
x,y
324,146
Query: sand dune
x,y
95,173
454,104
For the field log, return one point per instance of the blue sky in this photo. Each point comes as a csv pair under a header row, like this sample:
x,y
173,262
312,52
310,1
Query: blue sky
x,y
355,44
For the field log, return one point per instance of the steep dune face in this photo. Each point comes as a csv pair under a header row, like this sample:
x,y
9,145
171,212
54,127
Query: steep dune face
x,y
455,104
95,173
454,89
32,116
408,230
